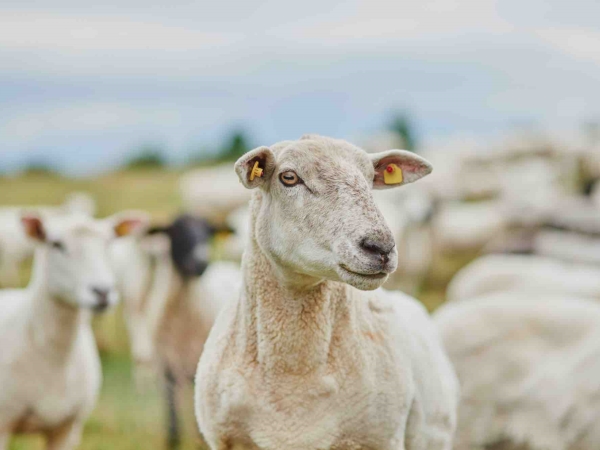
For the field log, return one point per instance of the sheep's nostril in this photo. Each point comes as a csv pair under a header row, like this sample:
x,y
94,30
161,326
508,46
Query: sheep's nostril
x,y
102,297
377,248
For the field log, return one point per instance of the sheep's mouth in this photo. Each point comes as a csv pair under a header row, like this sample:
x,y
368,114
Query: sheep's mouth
x,y
371,276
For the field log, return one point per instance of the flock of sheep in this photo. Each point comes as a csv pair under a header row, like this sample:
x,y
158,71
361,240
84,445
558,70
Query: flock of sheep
x,y
297,348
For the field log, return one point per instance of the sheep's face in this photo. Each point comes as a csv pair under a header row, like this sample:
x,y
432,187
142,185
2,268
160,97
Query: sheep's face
x,y
317,216
189,242
74,250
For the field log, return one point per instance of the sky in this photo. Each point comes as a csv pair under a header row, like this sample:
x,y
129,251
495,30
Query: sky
x,y
83,85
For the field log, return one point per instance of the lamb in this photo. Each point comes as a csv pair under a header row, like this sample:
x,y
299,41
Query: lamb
x,y
494,273
303,359
49,365
528,367
15,248
172,301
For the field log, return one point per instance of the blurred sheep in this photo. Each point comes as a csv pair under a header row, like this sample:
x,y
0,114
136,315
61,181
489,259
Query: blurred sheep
x,y
528,368
15,248
172,294
49,364
496,273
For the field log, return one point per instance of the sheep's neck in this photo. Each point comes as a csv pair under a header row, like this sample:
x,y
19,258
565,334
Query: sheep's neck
x,y
288,329
53,324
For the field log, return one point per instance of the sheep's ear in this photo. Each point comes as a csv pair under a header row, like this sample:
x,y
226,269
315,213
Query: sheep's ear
x,y
129,223
256,167
221,229
397,168
33,227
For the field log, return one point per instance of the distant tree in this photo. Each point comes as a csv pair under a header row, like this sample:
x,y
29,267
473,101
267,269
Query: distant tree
x,y
403,127
39,167
148,157
235,147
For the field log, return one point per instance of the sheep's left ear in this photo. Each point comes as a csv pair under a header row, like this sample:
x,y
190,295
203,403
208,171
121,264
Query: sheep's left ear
x,y
397,168
33,227
256,167
129,223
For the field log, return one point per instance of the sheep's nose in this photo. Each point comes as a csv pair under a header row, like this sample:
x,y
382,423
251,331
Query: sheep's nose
x,y
102,298
381,249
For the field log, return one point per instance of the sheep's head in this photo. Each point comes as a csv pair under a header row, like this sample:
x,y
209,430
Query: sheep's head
x,y
188,239
74,248
317,216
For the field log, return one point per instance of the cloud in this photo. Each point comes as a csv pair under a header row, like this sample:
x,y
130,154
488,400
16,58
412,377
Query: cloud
x,y
580,43
30,126
74,32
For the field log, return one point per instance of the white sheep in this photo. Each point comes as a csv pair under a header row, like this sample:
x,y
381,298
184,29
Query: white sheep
x,y
49,365
568,245
528,367
494,273
461,226
303,359
15,248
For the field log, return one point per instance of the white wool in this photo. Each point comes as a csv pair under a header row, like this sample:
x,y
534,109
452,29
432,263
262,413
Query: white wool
x,y
528,367
493,273
468,226
303,359
568,246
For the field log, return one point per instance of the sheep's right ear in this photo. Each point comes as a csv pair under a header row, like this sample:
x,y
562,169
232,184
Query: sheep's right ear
x,y
129,223
33,227
256,167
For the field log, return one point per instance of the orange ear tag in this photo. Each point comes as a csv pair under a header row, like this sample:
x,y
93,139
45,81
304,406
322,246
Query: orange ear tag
x,y
256,172
392,174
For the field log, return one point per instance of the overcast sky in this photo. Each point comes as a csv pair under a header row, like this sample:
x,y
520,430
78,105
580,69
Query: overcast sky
x,y
82,84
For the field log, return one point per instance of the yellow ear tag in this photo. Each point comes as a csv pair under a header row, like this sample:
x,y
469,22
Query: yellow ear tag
x,y
124,228
256,172
392,174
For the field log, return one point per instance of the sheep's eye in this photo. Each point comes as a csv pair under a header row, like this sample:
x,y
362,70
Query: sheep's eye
x,y
289,178
58,245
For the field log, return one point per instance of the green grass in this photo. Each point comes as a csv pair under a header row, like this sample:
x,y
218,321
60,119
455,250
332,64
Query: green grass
x,y
125,419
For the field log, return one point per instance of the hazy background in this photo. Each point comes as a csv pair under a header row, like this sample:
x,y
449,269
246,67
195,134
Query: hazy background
x,y
84,86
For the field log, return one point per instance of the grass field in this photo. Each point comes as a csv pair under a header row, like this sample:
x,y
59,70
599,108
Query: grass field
x,y
125,419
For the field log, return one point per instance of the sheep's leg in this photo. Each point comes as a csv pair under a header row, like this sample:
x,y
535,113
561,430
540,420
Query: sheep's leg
x,y
66,437
4,438
173,433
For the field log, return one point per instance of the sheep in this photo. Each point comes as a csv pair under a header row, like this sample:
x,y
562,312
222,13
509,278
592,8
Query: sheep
x,y
172,301
302,359
49,365
567,245
468,226
528,367
212,193
493,273
15,248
